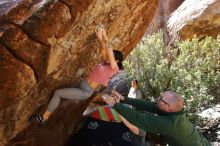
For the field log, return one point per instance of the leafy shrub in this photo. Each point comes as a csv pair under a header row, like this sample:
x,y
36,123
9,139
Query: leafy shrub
x,y
190,68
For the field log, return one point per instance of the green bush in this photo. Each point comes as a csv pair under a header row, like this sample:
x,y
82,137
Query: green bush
x,y
190,68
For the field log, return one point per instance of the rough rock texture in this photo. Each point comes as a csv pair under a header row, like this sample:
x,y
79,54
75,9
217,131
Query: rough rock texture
x,y
120,83
44,45
195,17
164,10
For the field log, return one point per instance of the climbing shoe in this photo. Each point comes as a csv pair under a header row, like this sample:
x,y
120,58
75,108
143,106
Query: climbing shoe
x,y
38,119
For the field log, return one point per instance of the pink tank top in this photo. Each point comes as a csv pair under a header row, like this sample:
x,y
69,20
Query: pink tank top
x,y
102,73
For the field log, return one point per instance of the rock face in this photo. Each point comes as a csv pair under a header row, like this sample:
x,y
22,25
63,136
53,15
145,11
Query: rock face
x,y
120,83
164,10
42,45
197,17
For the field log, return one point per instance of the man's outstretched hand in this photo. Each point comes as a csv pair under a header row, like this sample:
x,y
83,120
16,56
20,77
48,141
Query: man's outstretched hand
x,y
118,97
110,100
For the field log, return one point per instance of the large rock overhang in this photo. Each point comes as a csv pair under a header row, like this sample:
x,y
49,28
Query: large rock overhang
x,y
42,45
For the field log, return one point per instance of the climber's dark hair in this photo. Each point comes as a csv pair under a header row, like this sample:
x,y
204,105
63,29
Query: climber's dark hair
x,y
119,56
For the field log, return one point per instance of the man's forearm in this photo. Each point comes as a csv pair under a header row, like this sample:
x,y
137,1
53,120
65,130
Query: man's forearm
x,y
134,117
132,127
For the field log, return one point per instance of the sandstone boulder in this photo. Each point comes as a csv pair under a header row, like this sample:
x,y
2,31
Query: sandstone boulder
x,y
159,22
43,43
197,17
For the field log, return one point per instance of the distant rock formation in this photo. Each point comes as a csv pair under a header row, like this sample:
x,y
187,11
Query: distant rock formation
x,y
164,10
42,45
185,18
195,17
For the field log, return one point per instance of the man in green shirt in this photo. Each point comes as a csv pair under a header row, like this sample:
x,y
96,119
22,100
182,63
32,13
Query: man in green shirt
x,y
164,117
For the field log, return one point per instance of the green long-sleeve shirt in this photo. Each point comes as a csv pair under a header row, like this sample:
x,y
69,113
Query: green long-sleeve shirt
x,y
174,127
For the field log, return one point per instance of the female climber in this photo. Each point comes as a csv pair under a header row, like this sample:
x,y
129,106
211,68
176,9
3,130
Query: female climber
x,y
99,75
